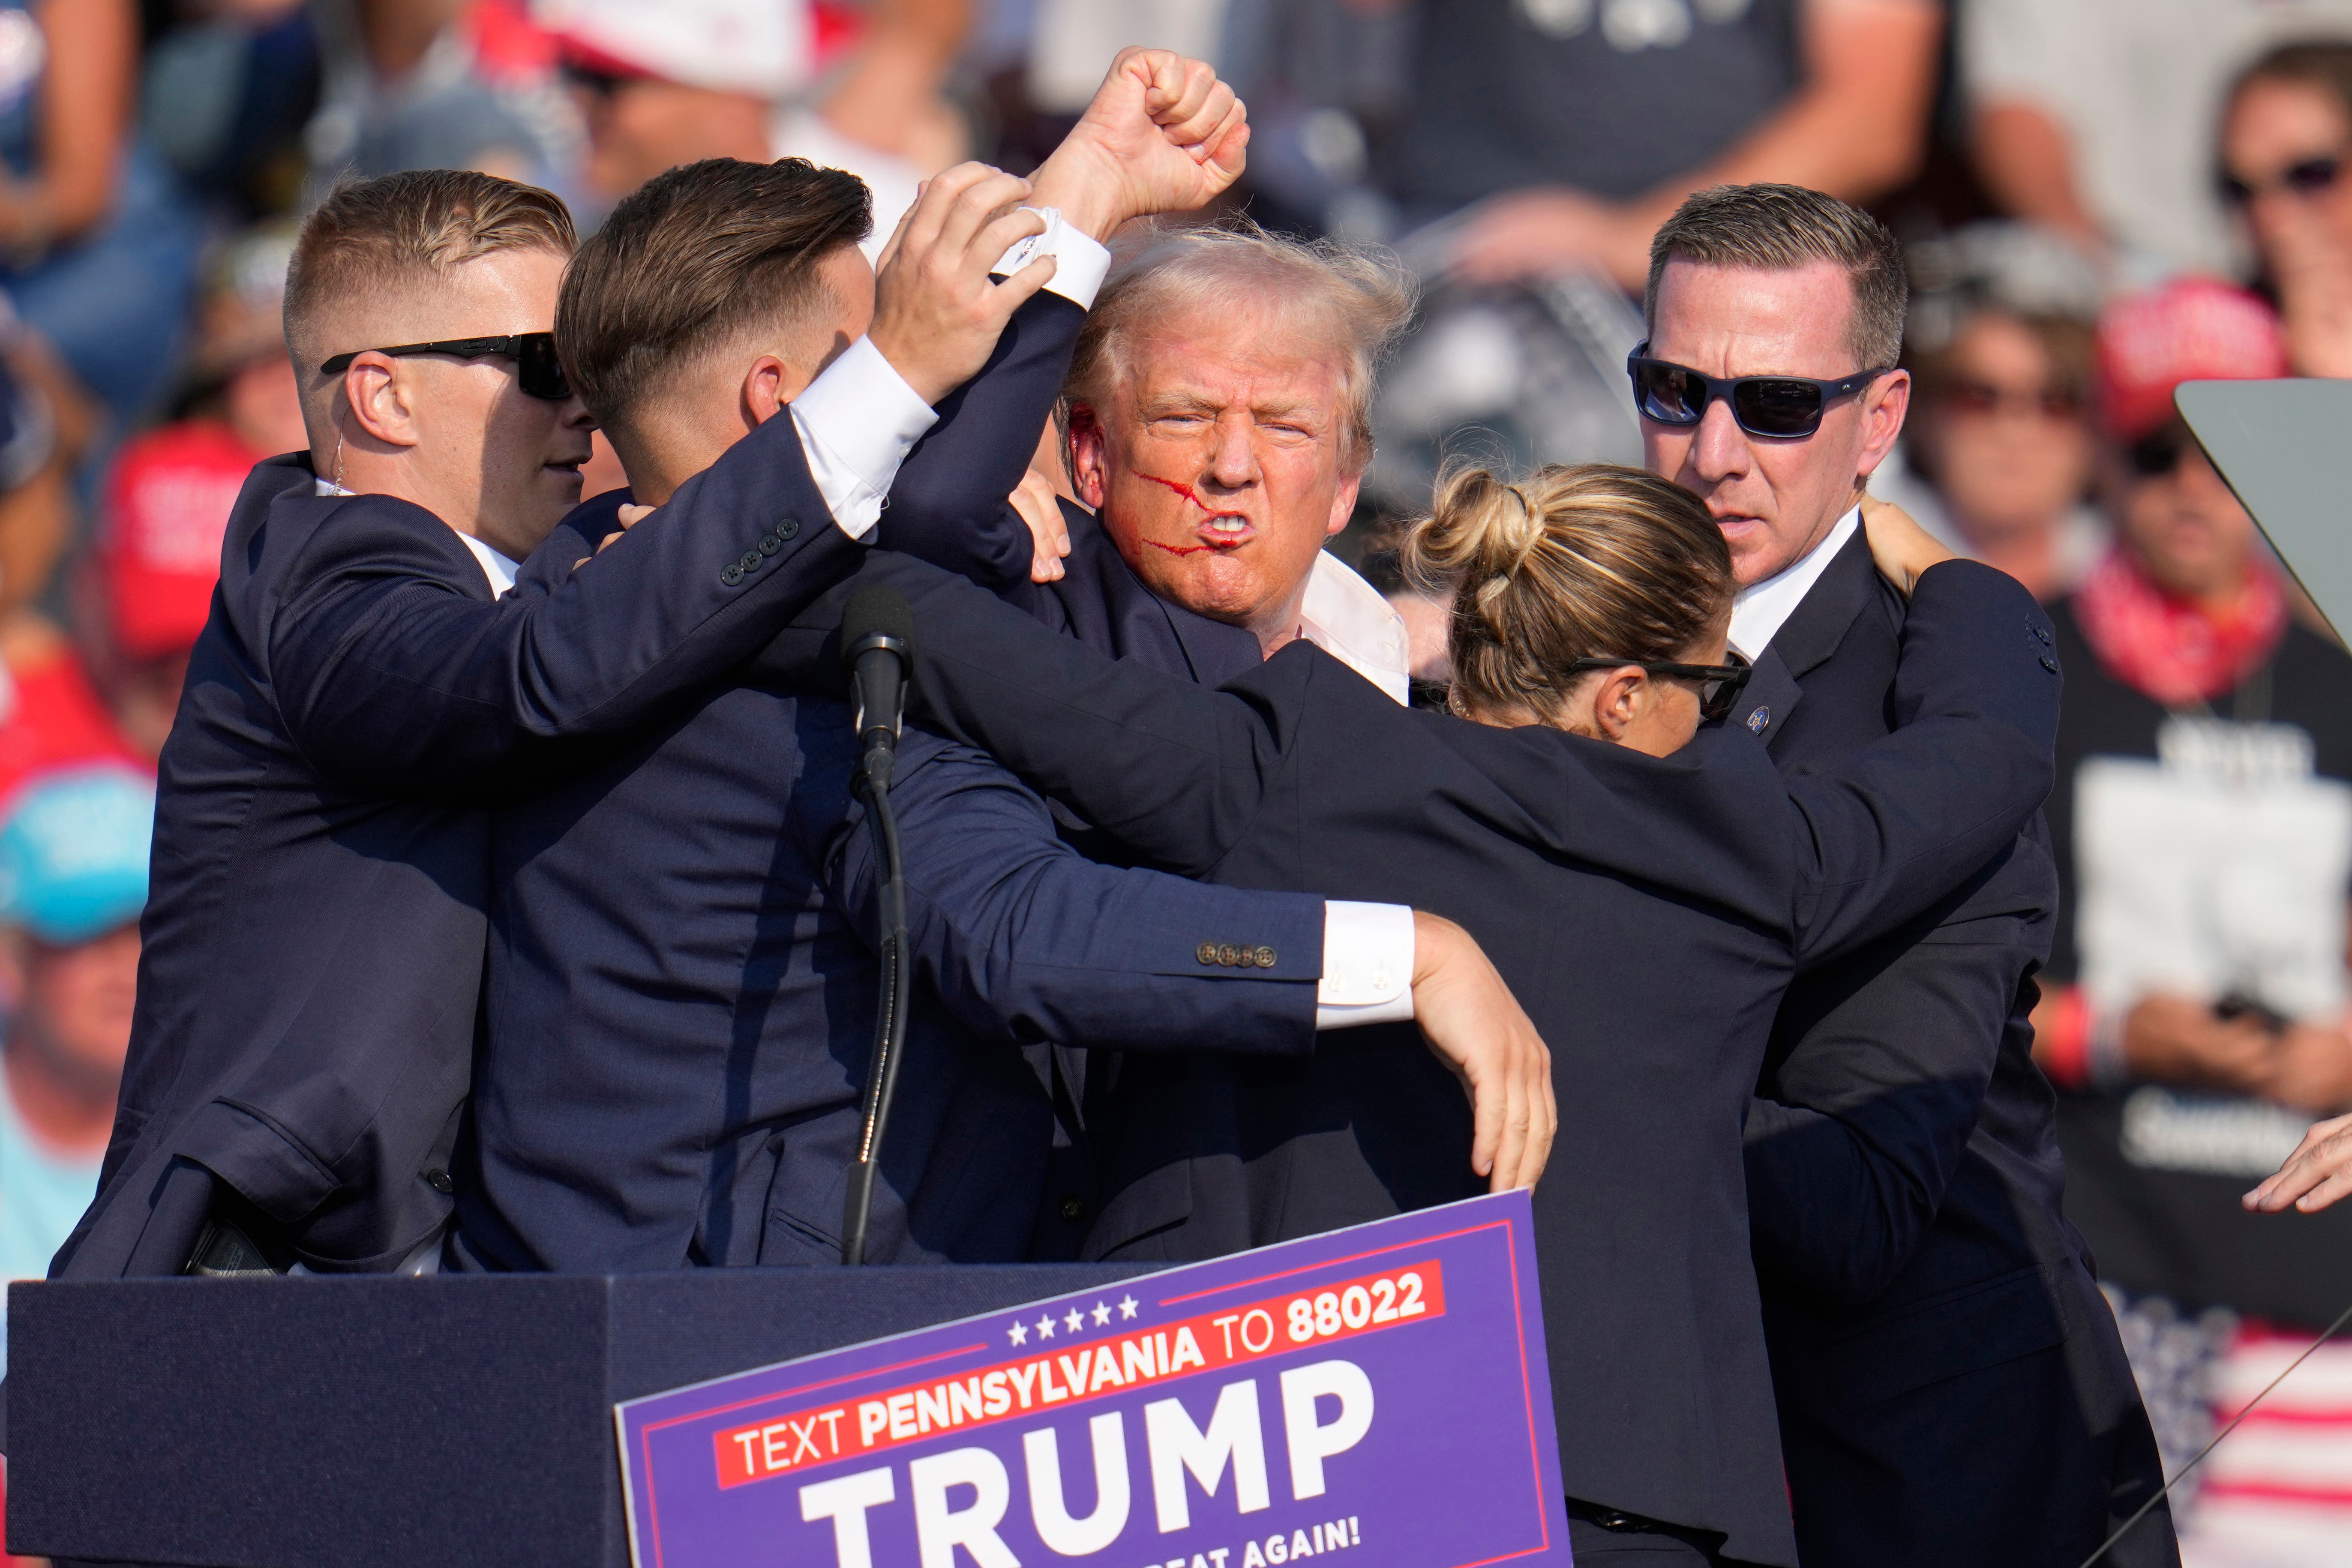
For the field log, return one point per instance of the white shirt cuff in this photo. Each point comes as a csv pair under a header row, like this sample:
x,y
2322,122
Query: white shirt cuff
x,y
1084,261
1367,965
857,421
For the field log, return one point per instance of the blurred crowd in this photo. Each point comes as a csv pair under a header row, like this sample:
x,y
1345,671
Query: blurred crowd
x,y
2099,198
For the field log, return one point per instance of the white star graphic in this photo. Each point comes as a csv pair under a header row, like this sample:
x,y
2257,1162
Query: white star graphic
x,y
1019,1334
1077,1319
1127,1308
1044,1328
1102,1314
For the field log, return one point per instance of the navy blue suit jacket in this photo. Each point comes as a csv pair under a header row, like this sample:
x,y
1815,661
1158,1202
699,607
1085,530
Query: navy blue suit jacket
x,y
1925,1301
1648,914
313,935
681,987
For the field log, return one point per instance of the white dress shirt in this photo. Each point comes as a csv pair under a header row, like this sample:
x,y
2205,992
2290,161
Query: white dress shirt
x,y
1083,261
1349,619
1763,608
857,421
1367,965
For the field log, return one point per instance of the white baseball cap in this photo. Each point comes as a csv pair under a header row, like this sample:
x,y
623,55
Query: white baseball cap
x,y
764,47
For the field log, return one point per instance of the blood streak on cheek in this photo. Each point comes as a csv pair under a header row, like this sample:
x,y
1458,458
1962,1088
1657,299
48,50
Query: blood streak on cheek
x,y
1188,493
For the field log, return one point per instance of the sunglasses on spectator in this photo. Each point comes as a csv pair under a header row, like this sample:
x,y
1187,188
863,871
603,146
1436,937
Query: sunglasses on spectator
x,y
589,79
1982,397
537,370
2308,178
1717,694
1780,408
2157,455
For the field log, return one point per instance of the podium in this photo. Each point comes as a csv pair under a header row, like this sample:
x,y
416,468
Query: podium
x,y
383,1422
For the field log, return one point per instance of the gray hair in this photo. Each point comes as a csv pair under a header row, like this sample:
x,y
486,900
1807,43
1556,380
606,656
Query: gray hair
x,y
1779,229
1363,295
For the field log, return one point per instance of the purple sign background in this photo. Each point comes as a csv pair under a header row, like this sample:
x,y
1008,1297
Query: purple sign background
x,y
1378,1394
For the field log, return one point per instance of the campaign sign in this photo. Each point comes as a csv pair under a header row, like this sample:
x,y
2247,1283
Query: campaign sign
x,y
1378,1394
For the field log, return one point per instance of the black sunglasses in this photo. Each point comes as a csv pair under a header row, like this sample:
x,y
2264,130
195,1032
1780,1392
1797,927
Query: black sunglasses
x,y
2157,454
1717,698
2308,178
537,370
1967,396
592,80
1781,407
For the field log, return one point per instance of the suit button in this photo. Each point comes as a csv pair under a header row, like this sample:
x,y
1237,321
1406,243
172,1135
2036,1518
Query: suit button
x,y
2049,664
1263,958
732,574
2040,633
439,1182
1206,953
750,562
770,545
788,528
1073,1210
1228,955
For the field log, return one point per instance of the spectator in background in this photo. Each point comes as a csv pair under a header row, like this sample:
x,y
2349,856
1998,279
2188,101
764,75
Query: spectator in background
x,y
688,79
48,714
99,243
73,877
2286,136
226,88
2000,426
46,424
437,84
143,594
2095,117
2194,1004
1541,143
1579,125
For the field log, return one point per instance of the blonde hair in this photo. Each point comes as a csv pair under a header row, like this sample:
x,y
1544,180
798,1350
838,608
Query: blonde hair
x,y
1590,562
1362,296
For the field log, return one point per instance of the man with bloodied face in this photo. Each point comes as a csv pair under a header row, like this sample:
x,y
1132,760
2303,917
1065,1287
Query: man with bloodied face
x,y
1217,424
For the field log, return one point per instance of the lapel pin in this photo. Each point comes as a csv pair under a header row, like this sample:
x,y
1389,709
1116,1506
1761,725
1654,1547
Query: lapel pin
x,y
1758,719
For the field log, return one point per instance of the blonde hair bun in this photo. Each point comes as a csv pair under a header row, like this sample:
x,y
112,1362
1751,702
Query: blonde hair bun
x,y
1592,561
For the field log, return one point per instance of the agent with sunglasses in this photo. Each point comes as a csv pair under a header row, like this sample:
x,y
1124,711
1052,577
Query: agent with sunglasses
x,y
1926,1302
367,686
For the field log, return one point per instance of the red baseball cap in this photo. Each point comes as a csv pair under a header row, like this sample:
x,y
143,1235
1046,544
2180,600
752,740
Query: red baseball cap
x,y
2192,329
167,507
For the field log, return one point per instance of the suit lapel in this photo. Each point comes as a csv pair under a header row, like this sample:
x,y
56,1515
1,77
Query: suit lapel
x,y
1848,585
1772,695
1123,618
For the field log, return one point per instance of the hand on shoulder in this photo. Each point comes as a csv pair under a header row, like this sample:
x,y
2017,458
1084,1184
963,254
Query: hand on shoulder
x,y
1899,547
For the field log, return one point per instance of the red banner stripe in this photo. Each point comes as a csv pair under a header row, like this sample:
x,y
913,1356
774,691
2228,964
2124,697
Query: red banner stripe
x,y
858,1428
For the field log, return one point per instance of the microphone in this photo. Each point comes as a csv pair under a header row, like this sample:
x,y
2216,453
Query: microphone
x,y
878,642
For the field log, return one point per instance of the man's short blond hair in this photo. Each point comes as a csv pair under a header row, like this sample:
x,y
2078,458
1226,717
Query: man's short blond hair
x,y
1360,296
397,230
1782,228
